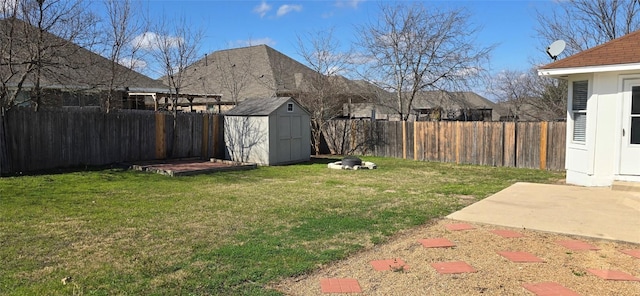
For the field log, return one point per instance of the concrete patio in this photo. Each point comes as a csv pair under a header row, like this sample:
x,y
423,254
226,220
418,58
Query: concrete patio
x,y
585,211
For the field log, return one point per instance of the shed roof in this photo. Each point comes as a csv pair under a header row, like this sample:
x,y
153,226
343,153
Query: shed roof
x,y
604,57
258,106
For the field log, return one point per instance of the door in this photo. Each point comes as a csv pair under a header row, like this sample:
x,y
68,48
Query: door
x,y
289,138
630,147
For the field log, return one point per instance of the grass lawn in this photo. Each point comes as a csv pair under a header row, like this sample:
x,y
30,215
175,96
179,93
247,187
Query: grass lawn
x,y
125,232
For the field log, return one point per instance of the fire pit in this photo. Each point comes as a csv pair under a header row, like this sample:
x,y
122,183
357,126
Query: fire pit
x,y
352,163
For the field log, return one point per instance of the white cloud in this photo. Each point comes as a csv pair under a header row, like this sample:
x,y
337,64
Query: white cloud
x,y
348,3
262,9
133,63
250,42
151,40
284,9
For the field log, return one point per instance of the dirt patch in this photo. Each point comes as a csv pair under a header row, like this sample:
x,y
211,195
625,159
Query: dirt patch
x,y
495,275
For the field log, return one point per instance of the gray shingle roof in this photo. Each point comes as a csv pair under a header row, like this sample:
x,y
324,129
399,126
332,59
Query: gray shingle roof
x,y
69,66
451,100
259,72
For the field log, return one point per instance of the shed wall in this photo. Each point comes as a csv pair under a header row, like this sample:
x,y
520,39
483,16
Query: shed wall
x,y
247,139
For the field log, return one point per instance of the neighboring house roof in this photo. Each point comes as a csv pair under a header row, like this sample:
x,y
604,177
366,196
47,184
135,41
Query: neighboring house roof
x,y
254,72
451,100
68,65
427,100
259,106
616,55
522,111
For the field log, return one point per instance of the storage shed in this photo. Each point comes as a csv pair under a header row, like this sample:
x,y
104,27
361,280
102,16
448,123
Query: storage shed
x,y
603,112
269,131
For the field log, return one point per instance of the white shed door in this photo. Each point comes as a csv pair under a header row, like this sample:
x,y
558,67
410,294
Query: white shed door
x,y
630,147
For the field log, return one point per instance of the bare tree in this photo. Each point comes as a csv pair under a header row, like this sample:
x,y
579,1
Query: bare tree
x,y
324,93
412,48
525,94
582,24
40,39
512,88
586,23
122,26
551,96
173,49
234,75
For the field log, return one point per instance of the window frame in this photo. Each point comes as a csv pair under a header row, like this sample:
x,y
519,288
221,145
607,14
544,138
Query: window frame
x,y
579,109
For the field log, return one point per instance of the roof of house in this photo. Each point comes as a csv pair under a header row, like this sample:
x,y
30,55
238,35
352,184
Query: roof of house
x,y
526,110
259,106
255,72
620,51
451,100
70,66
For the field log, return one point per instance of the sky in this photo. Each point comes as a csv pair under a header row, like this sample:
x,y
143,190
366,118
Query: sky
x,y
507,24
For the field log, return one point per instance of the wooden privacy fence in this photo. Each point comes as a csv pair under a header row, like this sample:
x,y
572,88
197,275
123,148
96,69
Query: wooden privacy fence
x,y
31,141
539,145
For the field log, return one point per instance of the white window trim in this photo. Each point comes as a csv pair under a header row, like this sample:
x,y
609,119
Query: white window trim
x,y
570,112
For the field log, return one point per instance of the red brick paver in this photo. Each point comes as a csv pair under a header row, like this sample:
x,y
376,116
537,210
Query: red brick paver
x,y
436,243
633,253
459,226
613,275
577,245
523,257
340,285
507,233
389,264
549,289
452,267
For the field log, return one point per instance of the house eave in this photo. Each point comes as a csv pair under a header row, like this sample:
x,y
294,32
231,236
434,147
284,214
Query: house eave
x,y
564,72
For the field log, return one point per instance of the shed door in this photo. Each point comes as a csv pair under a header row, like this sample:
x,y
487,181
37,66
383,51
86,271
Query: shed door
x,y
630,148
289,138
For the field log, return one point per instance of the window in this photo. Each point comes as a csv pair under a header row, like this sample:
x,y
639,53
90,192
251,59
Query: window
x,y
579,110
290,107
635,115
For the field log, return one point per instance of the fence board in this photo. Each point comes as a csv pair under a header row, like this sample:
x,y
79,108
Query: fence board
x,y
4,154
525,145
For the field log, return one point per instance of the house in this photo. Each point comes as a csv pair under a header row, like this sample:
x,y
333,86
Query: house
x,y
73,76
429,105
603,112
268,131
529,109
258,72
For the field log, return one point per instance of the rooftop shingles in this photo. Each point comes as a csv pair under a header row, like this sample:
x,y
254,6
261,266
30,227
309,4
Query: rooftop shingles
x,y
623,50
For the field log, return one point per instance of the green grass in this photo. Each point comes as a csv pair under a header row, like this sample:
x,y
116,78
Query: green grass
x,y
233,233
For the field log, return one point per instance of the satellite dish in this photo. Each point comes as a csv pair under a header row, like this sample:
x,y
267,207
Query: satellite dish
x,y
556,48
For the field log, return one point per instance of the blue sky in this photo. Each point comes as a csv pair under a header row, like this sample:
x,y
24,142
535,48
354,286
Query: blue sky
x,y
509,24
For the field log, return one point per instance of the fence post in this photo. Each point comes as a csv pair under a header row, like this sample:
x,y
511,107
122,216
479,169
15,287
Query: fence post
x,y
204,150
543,145
161,145
404,139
